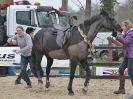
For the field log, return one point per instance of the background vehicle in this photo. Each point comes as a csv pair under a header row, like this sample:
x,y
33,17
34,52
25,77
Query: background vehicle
x,y
37,17
102,41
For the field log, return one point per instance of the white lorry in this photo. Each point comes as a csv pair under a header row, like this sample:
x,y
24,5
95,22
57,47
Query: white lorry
x,y
27,16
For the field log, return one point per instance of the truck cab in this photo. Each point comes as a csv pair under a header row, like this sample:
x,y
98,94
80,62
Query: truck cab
x,y
28,15
37,17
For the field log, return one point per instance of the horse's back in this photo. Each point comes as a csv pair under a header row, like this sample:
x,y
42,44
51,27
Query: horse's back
x,y
46,39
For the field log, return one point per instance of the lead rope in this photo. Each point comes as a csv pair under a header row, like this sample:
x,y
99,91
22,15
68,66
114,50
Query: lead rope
x,y
86,39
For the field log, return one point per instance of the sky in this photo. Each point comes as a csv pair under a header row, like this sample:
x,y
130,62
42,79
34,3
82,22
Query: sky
x,y
57,3
71,3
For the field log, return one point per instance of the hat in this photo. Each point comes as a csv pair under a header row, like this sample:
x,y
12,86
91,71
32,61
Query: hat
x,y
29,30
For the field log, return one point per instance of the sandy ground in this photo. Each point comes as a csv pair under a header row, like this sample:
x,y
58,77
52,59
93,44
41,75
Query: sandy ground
x,y
98,89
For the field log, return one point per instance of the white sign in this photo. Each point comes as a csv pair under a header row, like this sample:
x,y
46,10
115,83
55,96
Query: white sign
x,y
8,57
110,71
56,63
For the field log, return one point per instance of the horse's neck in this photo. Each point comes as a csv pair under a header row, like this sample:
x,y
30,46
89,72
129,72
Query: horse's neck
x,y
94,29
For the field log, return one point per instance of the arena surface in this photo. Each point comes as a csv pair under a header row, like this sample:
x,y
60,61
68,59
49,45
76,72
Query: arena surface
x,y
98,89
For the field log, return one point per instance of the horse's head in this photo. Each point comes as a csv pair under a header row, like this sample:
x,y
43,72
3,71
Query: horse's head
x,y
110,22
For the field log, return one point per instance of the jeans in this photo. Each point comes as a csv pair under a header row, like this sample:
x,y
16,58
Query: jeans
x,y
127,63
24,62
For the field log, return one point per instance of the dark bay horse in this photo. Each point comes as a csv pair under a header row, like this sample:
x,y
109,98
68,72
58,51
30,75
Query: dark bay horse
x,y
77,50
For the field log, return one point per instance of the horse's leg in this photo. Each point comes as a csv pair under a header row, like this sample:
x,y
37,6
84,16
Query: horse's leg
x,y
39,68
73,65
48,68
85,65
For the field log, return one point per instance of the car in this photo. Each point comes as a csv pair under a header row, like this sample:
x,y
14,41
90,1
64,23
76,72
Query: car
x,y
102,42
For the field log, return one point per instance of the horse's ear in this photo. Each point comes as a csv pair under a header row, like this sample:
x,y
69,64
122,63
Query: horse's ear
x,y
103,12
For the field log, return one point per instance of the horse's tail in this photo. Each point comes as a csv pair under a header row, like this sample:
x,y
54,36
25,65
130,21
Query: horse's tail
x,y
33,55
33,60
34,68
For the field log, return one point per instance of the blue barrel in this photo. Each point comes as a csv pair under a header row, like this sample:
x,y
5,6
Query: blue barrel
x,y
11,71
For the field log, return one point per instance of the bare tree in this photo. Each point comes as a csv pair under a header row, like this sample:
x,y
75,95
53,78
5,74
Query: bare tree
x,y
88,9
65,5
124,11
130,3
108,5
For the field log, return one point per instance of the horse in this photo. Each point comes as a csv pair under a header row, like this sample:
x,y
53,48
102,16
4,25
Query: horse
x,y
44,43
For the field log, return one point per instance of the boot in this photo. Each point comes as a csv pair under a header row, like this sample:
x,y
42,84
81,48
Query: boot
x,y
121,89
131,81
28,85
18,80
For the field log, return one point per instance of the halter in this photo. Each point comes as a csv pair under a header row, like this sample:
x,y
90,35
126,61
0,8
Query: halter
x,y
109,21
86,39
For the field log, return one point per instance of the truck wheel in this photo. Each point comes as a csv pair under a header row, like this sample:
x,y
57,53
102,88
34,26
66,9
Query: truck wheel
x,y
104,56
115,55
121,57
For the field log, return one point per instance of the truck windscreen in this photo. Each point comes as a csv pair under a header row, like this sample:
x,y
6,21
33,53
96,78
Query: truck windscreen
x,y
44,19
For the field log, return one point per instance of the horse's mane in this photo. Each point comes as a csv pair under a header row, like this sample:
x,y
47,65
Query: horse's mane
x,y
88,22
91,20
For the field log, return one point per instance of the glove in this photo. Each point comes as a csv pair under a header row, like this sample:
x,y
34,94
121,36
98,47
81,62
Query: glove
x,y
114,34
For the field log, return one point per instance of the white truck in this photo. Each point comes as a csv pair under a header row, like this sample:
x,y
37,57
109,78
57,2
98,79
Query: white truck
x,y
27,16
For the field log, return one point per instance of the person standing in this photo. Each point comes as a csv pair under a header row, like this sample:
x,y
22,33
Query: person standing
x,y
127,41
29,31
24,41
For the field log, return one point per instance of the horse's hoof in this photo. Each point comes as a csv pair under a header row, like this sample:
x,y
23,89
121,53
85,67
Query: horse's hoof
x,y
47,84
84,90
40,86
40,82
71,93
